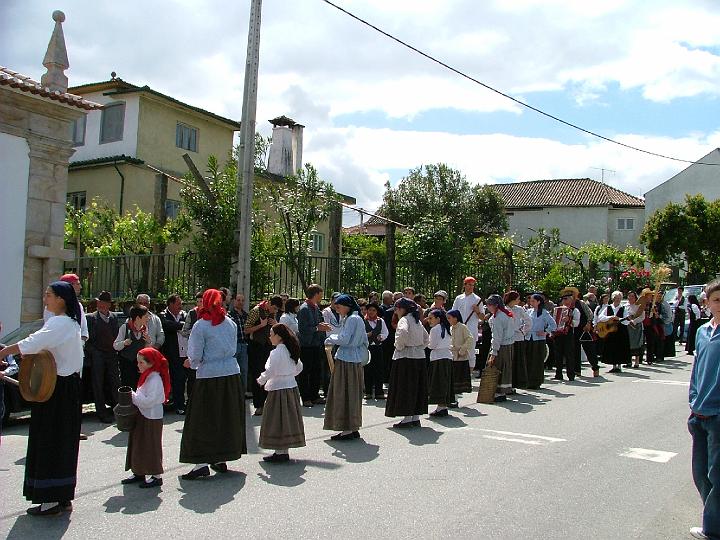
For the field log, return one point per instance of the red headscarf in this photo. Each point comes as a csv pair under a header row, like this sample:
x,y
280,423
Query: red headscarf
x,y
212,309
159,364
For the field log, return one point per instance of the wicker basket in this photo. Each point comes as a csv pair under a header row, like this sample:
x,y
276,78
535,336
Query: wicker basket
x,y
488,385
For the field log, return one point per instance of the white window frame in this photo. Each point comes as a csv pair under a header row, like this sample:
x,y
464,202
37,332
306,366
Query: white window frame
x,y
624,223
103,138
78,127
183,138
317,242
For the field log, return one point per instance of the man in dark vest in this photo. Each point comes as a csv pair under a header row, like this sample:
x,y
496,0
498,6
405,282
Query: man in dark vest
x,y
174,348
105,373
311,334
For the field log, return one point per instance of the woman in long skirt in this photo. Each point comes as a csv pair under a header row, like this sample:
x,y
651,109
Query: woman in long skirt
x,y
282,423
616,348
408,390
440,389
53,439
636,335
463,349
343,411
542,325
214,430
522,327
501,348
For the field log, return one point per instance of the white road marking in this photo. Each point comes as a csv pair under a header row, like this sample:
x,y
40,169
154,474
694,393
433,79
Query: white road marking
x,y
523,441
511,436
658,456
527,435
664,381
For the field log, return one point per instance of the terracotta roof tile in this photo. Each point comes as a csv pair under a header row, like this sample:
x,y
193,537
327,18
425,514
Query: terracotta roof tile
x,y
21,82
564,192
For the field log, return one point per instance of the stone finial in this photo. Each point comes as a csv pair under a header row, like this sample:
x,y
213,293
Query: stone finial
x,y
56,60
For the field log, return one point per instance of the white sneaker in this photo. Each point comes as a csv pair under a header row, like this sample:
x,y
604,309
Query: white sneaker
x,y
697,532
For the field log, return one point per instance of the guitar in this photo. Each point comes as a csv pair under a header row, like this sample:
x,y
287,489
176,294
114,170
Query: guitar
x,y
603,329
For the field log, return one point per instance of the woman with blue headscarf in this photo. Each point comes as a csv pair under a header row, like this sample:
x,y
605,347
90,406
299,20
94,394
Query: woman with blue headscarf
x,y
408,390
542,326
343,410
54,436
440,372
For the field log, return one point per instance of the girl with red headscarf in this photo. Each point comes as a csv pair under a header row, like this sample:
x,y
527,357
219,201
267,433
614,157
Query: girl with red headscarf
x,y
144,452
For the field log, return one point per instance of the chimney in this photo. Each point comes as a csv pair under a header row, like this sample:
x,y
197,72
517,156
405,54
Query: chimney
x,y
297,147
56,60
285,155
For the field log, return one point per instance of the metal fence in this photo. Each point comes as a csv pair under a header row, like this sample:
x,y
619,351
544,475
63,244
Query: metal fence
x,y
161,275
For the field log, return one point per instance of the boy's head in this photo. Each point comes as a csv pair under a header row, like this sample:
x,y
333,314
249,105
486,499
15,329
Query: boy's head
x,y
712,292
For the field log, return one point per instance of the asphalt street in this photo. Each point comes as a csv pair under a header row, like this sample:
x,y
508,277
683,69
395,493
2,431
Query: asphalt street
x,y
595,458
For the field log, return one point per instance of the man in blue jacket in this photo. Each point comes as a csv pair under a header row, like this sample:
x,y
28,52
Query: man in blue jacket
x,y
311,330
704,421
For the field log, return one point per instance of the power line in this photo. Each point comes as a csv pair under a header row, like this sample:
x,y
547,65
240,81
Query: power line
x,y
508,96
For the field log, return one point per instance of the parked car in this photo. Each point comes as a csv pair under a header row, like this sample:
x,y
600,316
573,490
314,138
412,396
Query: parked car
x,y
670,295
13,400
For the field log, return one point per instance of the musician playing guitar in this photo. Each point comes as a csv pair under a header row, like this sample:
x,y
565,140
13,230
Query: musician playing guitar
x,y
616,350
563,338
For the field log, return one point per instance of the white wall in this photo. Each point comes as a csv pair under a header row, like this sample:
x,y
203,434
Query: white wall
x,y
696,179
92,148
622,238
14,174
577,225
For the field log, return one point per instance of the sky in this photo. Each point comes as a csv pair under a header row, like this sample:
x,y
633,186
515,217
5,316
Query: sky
x,y
644,73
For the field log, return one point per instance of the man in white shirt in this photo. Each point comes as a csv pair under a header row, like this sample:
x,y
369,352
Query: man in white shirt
x,y
470,306
154,324
564,340
679,305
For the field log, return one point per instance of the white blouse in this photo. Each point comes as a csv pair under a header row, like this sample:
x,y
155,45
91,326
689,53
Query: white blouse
x,y
60,335
290,320
411,338
280,370
150,397
439,346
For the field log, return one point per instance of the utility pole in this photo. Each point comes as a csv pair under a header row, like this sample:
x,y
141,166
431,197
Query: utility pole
x,y
246,155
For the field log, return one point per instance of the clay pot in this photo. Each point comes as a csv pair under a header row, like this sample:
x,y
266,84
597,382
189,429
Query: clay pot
x,y
125,411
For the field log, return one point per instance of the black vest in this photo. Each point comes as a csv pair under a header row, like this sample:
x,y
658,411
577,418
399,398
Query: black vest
x,y
374,332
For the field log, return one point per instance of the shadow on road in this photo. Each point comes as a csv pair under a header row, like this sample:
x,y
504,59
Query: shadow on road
x,y
449,421
354,451
419,436
209,494
120,439
40,527
291,474
133,501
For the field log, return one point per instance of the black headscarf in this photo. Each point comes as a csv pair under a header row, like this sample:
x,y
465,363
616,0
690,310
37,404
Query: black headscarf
x,y
409,306
349,301
65,291
444,323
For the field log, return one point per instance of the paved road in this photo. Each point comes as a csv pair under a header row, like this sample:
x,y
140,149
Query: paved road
x,y
552,463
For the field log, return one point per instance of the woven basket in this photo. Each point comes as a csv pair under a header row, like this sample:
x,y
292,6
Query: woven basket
x,y
488,385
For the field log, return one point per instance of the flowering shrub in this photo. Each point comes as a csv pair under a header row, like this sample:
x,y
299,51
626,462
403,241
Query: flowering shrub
x,y
634,278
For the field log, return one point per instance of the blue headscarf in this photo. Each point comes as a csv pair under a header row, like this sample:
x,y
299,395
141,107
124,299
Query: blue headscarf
x,y
444,324
409,306
541,303
349,301
455,313
65,291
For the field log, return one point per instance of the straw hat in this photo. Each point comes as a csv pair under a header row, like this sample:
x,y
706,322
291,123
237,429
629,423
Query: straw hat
x,y
570,291
37,377
646,291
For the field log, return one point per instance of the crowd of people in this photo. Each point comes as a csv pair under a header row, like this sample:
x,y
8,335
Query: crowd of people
x,y
286,355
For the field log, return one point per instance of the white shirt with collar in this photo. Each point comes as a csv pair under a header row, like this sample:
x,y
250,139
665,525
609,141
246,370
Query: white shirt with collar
x,y
465,303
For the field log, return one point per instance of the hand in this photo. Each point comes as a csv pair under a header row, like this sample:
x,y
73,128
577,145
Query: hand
x,y
490,361
264,322
127,342
324,327
186,363
272,322
259,381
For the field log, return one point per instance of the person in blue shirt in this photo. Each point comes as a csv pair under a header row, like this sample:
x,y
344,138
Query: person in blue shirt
x,y
704,421
343,411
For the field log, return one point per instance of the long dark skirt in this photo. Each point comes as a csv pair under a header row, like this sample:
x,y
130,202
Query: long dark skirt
x,y
408,390
691,333
282,422
535,352
520,374
343,411
461,376
616,349
144,451
214,428
440,382
53,444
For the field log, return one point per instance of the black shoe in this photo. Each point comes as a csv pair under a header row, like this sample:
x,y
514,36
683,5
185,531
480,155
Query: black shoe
x,y
83,437
155,482
66,506
571,379
415,423
277,458
405,425
381,395
614,370
106,418
36,511
197,473
348,437
557,378
500,399
440,414
219,467
134,479
318,401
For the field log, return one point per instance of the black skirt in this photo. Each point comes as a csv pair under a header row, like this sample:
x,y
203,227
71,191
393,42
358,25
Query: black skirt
x,y
408,389
214,429
616,347
53,444
461,377
440,382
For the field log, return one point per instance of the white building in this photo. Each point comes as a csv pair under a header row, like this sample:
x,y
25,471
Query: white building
x,y
694,180
584,210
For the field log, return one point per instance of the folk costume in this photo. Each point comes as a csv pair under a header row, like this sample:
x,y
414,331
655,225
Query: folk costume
x,y
54,435
174,348
343,411
522,327
616,350
463,351
501,347
282,422
440,387
144,452
375,371
541,326
408,389
636,335
259,349
105,370
139,339
564,344
214,430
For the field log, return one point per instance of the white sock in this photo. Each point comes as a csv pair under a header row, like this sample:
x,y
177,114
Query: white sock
x,y
199,466
48,506
406,419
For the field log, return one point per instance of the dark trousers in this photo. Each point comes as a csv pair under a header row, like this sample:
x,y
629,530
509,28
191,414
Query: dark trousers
x,y
105,380
257,356
178,378
706,469
129,374
655,345
310,377
564,346
590,351
375,372
679,323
